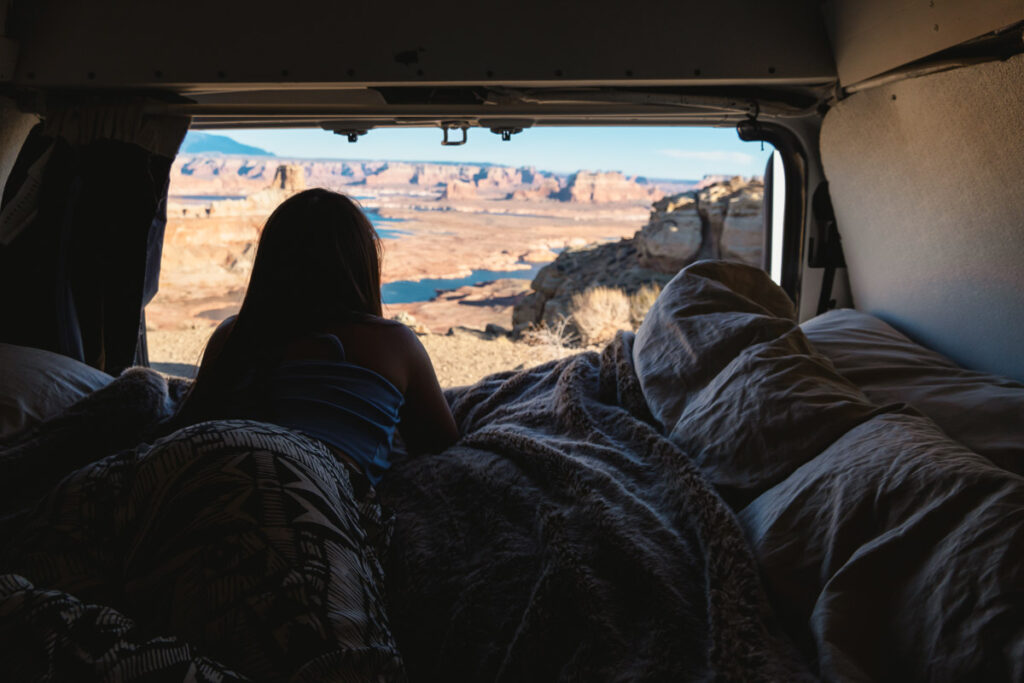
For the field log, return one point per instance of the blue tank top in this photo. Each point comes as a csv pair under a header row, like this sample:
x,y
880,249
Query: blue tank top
x,y
340,403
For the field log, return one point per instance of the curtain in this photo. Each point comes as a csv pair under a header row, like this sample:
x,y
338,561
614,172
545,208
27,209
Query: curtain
x,y
81,230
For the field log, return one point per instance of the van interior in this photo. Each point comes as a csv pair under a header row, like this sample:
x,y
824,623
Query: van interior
x,y
819,478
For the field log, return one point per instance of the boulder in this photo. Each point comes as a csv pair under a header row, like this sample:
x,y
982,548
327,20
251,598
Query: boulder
x,y
671,241
743,227
497,330
463,331
615,265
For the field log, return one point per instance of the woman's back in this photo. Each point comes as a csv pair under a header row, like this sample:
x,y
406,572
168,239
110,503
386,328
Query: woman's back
x,y
349,386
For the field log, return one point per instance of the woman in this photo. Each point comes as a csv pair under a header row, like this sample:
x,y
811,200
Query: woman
x,y
309,349
236,544
294,537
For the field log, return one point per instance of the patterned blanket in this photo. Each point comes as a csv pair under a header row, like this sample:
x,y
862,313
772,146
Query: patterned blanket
x,y
229,550
562,538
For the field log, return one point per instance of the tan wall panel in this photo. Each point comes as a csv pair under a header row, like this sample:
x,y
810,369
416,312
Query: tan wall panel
x,y
14,128
870,37
927,180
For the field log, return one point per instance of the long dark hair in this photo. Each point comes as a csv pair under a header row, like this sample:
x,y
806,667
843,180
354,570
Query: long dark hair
x,y
317,264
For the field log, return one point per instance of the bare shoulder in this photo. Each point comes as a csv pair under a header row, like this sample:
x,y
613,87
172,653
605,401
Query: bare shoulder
x,y
400,341
385,346
391,334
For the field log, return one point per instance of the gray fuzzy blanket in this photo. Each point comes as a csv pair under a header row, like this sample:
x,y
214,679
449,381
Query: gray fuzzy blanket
x,y
564,538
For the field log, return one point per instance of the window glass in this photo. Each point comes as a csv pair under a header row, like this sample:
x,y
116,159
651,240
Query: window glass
x,y
524,250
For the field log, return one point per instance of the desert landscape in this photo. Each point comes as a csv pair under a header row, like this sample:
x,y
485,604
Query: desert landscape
x,y
481,260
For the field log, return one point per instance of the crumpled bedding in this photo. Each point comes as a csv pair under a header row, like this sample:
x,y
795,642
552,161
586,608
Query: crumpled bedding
x,y
982,411
708,500
889,551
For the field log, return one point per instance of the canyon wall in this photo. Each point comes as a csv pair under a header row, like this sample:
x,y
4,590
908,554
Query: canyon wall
x,y
721,219
241,176
609,186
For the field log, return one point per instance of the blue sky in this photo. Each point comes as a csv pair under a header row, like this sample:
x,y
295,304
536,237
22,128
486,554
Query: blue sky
x,y
655,152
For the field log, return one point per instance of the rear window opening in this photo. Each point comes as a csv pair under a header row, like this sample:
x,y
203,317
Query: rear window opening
x,y
499,254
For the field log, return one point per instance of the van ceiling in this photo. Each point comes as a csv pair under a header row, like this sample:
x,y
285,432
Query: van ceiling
x,y
375,63
361,64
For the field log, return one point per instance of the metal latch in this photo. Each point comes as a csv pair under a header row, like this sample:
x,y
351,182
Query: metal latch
x,y
453,125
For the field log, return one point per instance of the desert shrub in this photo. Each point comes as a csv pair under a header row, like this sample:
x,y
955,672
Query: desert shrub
x,y
559,334
641,301
598,313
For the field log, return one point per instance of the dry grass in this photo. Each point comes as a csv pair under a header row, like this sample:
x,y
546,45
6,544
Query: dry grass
x,y
599,313
560,335
640,302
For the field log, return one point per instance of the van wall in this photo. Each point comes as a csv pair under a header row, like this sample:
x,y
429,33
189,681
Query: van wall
x,y
927,180
14,128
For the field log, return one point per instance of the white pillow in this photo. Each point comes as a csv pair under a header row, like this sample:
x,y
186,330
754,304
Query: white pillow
x,y
36,385
983,412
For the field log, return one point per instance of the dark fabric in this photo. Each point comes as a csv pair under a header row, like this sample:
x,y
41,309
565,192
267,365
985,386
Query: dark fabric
x,y
242,541
116,417
735,383
890,552
345,405
76,279
564,538
53,636
983,412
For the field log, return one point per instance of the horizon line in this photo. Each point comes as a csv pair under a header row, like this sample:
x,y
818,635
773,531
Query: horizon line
x,y
270,155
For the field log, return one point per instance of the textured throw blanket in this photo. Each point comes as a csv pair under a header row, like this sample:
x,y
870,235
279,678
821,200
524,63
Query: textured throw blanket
x,y
563,538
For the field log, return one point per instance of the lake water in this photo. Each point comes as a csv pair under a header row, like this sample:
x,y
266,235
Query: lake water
x,y
382,224
407,291
207,197
410,291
